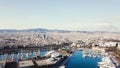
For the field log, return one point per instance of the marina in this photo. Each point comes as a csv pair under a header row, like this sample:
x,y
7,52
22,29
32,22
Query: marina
x,y
91,59
78,61
91,53
85,58
21,55
33,59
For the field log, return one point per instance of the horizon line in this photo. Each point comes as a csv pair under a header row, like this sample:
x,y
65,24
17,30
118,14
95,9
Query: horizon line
x,y
59,29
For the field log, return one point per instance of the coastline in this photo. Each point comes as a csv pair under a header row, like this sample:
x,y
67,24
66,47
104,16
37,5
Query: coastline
x,y
63,64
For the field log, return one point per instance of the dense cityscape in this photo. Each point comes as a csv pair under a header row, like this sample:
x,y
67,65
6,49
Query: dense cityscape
x,y
56,43
36,38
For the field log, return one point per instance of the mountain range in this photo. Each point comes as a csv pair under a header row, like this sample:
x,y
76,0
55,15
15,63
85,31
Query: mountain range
x,y
42,30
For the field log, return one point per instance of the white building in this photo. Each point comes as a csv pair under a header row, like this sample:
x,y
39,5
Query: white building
x,y
108,44
55,54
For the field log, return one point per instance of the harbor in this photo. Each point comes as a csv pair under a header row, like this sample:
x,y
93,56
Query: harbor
x,y
21,55
78,61
21,58
89,58
29,59
82,57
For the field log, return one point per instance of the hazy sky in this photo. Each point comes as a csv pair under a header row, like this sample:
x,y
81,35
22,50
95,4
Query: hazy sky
x,y
89,15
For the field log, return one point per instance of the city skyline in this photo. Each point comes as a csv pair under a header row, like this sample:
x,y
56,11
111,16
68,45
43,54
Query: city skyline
x,y
79,15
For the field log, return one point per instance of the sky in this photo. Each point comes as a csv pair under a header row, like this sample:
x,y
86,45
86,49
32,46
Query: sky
x,y
82,15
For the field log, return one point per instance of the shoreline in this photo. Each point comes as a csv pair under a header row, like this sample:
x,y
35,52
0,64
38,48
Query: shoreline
x,y
63,64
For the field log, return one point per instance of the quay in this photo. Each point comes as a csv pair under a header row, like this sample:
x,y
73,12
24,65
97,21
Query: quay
x,y
25,63
63,64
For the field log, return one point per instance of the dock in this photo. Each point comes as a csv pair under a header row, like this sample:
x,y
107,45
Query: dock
x,y
25,63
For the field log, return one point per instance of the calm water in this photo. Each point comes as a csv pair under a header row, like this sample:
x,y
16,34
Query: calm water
x,y
77,61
